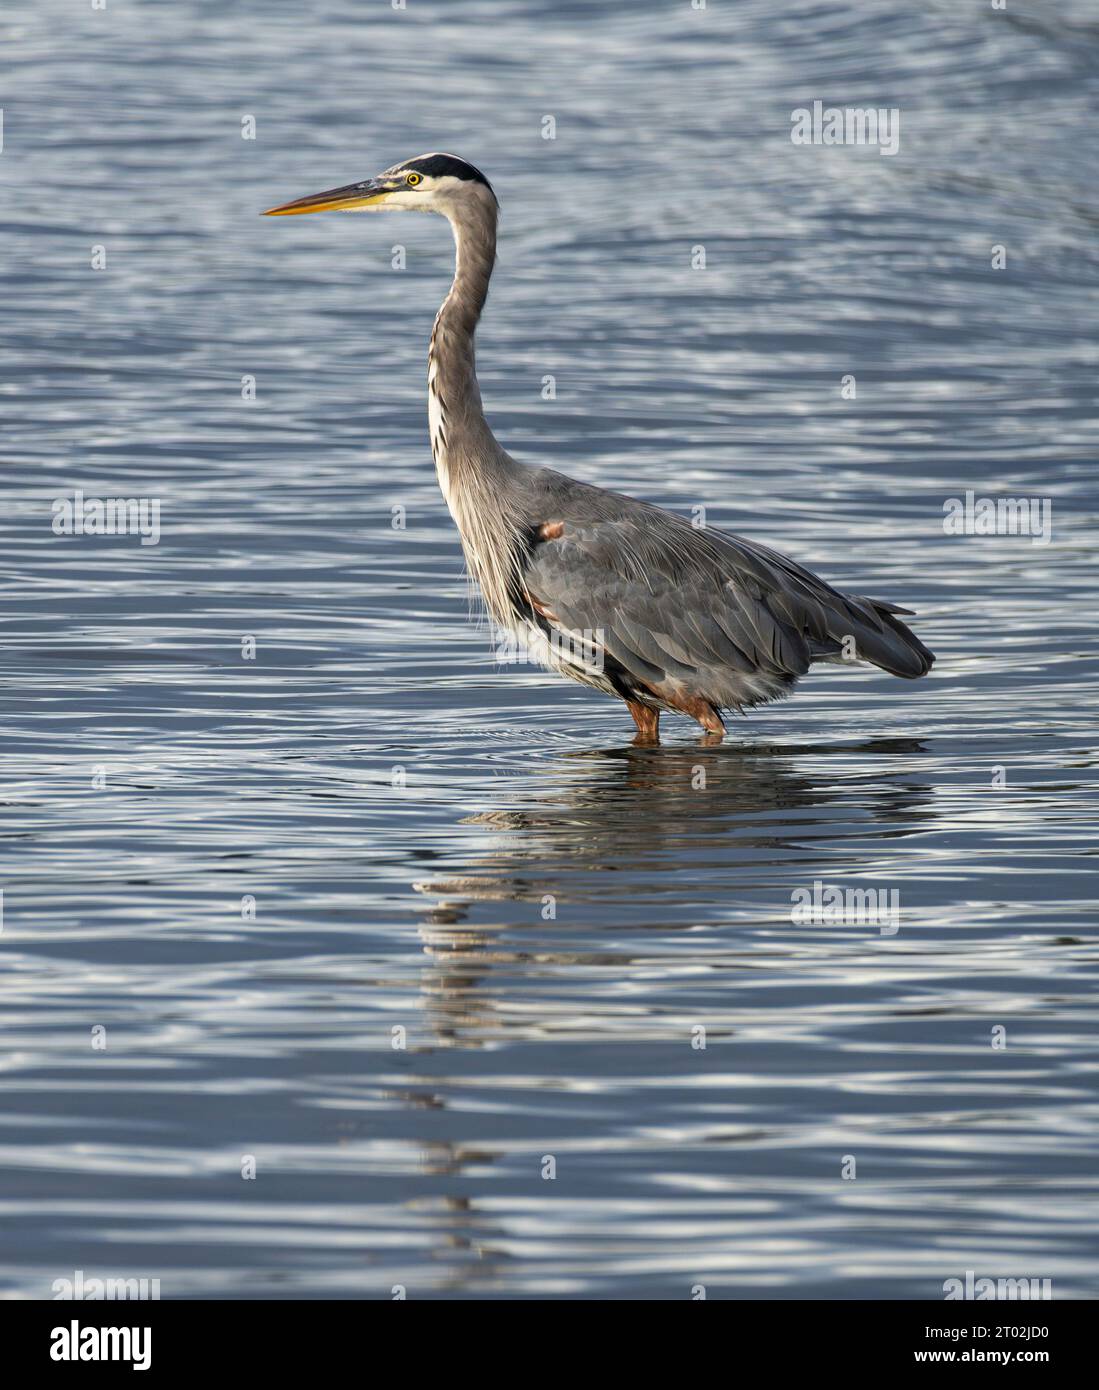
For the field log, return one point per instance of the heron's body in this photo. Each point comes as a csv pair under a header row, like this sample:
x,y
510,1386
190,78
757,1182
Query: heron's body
x,y
616,593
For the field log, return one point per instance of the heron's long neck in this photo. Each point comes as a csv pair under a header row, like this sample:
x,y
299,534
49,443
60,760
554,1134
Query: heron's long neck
x,y
457,417
475,474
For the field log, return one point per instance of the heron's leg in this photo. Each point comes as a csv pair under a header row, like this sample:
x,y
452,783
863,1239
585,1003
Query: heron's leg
x,y
699,709
647,720
711,721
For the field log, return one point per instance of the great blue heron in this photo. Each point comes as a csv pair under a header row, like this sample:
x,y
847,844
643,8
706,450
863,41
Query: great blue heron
x,y
615,593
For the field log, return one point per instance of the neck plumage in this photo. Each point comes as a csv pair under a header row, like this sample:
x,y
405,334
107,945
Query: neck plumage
x,y
457,417
475,475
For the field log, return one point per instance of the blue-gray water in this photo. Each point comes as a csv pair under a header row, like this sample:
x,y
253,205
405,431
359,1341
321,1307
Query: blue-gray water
x,y
424,906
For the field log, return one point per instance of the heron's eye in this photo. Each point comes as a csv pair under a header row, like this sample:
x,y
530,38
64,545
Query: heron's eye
x,y
413,179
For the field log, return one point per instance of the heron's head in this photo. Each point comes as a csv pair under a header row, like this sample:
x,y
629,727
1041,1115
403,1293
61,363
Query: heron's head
x,y
429,183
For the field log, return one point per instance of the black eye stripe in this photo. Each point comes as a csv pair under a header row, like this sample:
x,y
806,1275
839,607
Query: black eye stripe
x,y
447,165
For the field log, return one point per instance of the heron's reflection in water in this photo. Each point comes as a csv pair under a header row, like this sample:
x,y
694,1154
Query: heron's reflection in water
x,y
630,844
671,834
655,824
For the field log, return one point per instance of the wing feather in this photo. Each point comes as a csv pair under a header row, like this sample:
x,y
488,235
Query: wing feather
x,y
702,612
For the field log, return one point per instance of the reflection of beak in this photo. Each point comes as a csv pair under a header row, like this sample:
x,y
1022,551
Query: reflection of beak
x,y
352,195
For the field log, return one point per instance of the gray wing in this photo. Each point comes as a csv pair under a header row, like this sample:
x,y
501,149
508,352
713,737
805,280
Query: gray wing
x,y
704,613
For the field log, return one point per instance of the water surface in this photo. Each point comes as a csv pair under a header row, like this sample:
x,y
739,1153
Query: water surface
x,y
425,841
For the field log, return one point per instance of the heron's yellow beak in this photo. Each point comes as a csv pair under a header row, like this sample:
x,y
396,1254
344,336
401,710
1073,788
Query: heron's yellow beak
x,y
352,195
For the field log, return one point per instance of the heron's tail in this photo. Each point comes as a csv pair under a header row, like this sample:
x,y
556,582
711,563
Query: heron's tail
x,y
879,637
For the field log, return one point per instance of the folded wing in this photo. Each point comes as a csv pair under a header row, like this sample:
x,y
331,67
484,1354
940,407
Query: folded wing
x,y
702,613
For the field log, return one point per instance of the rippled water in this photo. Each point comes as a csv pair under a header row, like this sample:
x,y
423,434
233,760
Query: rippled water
x,y
406,815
